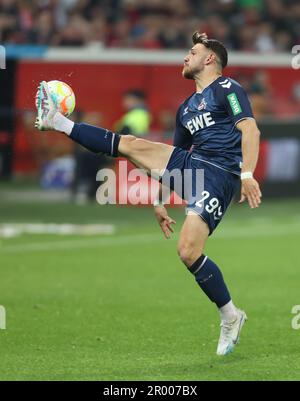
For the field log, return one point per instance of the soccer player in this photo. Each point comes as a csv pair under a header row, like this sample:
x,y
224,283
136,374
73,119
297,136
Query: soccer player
x,y
215,132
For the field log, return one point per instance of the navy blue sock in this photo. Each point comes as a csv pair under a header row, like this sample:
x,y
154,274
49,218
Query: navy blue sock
x,y
211,281
95,139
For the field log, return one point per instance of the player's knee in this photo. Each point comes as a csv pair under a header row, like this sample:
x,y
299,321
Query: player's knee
x,y
188,253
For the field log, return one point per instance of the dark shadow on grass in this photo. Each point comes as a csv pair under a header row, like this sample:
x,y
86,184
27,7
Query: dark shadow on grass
x,y
215,366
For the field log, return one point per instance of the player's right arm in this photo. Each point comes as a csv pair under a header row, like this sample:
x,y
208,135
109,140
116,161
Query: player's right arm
x,y
164,220
183,140
182,136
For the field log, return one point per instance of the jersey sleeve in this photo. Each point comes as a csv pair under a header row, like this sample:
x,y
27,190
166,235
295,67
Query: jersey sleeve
x,y
182,137
236,101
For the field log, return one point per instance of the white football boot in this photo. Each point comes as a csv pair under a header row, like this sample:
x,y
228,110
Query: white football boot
x,y
45,107
230,333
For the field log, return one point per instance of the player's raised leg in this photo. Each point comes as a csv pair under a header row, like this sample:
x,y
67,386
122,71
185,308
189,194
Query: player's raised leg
x,y
144,154
191,244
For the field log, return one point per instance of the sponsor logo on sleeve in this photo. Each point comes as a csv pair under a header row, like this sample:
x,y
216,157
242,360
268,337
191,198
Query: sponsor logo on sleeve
x,y
234,103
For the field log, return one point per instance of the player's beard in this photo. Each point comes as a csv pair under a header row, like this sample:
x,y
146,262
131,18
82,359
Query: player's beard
x,y
189,73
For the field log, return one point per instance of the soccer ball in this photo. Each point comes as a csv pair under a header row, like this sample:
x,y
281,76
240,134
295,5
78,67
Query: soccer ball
x,y
63,96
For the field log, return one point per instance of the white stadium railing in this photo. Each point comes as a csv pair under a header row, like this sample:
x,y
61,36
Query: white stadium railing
x,y
162,57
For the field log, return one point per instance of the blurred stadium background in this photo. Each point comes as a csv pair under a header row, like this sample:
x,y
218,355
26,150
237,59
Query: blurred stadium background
x,y
85,294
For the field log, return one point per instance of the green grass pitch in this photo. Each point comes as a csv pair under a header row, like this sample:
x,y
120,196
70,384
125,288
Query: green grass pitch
x,y
123,307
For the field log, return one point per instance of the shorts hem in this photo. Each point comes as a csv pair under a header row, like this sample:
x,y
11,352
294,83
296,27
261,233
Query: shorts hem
x,y
202,217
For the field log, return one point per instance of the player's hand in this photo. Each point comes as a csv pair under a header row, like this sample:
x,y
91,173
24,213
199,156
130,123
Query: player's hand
x,y
164,220
251,192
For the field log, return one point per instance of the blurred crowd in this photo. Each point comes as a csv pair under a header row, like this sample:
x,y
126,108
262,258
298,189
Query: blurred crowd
x,y
246,25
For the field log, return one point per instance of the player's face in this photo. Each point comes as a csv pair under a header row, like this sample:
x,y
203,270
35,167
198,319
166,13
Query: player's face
x,y
195,61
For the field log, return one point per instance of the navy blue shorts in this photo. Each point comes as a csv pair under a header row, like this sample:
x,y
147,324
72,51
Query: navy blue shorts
x,y
207,189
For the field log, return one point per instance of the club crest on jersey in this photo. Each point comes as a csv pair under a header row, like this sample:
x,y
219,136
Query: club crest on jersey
x,y
202,105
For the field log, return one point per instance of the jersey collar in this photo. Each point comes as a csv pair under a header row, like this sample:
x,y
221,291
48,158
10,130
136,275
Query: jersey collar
x,y
200,93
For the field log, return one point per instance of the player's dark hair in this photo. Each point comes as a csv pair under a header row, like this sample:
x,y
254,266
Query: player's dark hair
x,y
214,45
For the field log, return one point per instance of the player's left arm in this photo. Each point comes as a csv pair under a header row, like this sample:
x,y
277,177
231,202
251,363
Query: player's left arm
x,y
250,149
240,111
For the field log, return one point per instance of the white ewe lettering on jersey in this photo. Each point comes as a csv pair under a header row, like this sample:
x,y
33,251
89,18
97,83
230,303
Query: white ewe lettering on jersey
x,y
200,121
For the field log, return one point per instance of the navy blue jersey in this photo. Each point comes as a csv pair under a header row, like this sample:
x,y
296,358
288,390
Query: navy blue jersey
x,y
207,122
